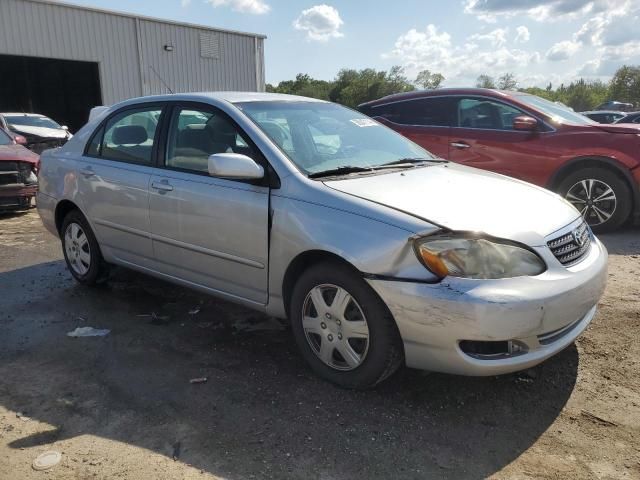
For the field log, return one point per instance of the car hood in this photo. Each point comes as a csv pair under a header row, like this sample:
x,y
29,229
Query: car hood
x,y
467,199
41,132
12,153
620,128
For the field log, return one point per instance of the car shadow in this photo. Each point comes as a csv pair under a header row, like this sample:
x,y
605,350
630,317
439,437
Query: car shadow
x,y
625,241
261,413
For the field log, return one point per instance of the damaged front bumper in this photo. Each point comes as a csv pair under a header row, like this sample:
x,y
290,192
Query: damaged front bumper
x,y
18,185
16,197
492,327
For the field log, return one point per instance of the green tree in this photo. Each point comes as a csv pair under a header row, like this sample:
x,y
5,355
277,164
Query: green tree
x,y
303,85
507,82
428,81
353,87
625,85
485,81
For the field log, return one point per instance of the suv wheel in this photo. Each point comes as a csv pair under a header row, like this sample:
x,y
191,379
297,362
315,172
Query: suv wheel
x,y
81,250
601,196
343,329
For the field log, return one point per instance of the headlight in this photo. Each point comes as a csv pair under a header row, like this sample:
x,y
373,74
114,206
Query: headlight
x,y
477,257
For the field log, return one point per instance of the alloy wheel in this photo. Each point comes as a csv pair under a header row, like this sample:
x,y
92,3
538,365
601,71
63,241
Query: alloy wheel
x,y
595,200
335,327
76,245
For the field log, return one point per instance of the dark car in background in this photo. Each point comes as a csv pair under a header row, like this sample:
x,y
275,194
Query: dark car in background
x,y
633,117
40,131
604,116
18,174
616,106
594,166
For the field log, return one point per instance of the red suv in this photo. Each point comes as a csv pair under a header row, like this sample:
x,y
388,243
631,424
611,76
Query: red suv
x,y
595,167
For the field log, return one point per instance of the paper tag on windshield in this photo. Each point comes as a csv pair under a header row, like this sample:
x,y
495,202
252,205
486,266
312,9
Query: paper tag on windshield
x,y
364,122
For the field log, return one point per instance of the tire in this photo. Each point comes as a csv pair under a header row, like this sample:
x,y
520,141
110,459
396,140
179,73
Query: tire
x,y
81,250
574,187
375,359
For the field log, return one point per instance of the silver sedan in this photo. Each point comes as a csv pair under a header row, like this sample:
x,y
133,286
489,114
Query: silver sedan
x,y
377,252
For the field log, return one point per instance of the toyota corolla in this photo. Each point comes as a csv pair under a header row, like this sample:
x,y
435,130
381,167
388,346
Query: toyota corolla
x,y
379,253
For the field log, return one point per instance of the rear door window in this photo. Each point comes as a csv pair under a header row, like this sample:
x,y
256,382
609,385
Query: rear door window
x,y
129,136
424,112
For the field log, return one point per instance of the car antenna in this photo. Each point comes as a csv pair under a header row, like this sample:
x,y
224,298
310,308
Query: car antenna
x,y
161,79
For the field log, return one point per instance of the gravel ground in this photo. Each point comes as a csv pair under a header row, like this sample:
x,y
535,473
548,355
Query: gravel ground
x,y
122,406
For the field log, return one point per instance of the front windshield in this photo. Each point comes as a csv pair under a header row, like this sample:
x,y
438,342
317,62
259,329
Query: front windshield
x,y
4,138
31,121
322,136
558,112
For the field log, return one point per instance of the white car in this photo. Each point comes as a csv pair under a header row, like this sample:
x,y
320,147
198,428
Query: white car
x,y
378,253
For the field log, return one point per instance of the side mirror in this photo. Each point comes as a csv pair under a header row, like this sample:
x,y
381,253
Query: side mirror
x,y
20,140
234,166
525,123
64,127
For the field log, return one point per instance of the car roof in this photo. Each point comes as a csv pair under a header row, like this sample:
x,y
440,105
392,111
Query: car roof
x,y
486,92
231,97
22,114
605,112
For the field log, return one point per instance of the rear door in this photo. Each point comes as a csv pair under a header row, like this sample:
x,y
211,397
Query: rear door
x,y
482,136
113,182
209,231
425,121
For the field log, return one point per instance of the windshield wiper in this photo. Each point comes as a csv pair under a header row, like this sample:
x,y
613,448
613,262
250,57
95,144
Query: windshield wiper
x,y
402,163
411,162
344,170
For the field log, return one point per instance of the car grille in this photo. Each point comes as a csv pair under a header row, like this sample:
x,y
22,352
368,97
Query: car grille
x,y
12,173
571,247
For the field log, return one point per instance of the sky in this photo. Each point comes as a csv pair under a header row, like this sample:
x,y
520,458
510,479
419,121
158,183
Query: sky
x,y
540,41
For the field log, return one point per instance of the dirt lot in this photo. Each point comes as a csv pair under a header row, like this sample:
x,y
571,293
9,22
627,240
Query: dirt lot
x,y
122,406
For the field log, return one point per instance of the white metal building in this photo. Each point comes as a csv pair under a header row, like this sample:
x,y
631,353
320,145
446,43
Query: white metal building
x,y
61,59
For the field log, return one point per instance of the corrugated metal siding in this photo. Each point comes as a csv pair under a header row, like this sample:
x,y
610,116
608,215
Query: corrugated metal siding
x,y
185,70
58,31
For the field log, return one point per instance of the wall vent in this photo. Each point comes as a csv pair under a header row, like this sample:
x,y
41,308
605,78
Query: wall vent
x,y
210,45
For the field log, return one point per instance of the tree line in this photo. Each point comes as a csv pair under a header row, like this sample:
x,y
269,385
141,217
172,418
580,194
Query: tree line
x,y
352,87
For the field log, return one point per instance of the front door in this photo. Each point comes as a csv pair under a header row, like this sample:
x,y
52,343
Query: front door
x,y
483,137
209,231
113,182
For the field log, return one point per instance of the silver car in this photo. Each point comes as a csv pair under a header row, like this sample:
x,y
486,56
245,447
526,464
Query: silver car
x,y
377,252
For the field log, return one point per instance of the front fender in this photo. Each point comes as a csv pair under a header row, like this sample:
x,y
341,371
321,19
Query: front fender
x,y
371,246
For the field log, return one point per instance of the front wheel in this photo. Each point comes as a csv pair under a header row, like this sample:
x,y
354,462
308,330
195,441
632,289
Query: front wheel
x,y
342,328
601,196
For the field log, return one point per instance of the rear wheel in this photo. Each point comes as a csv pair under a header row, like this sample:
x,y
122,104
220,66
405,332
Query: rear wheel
x,y
81,250
343,329
602,197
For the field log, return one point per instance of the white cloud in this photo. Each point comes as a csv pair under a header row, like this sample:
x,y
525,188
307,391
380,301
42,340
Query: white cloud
x,y
522,34
185,3
562,50
497,37
460,64
321,22
257,7
540,10
613,33
616,26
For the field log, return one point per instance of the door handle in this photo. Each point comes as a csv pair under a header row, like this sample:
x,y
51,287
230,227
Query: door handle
x,y
460,145
87,172
162,186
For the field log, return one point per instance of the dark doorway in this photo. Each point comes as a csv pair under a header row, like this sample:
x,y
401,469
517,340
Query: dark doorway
x,y
64,90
